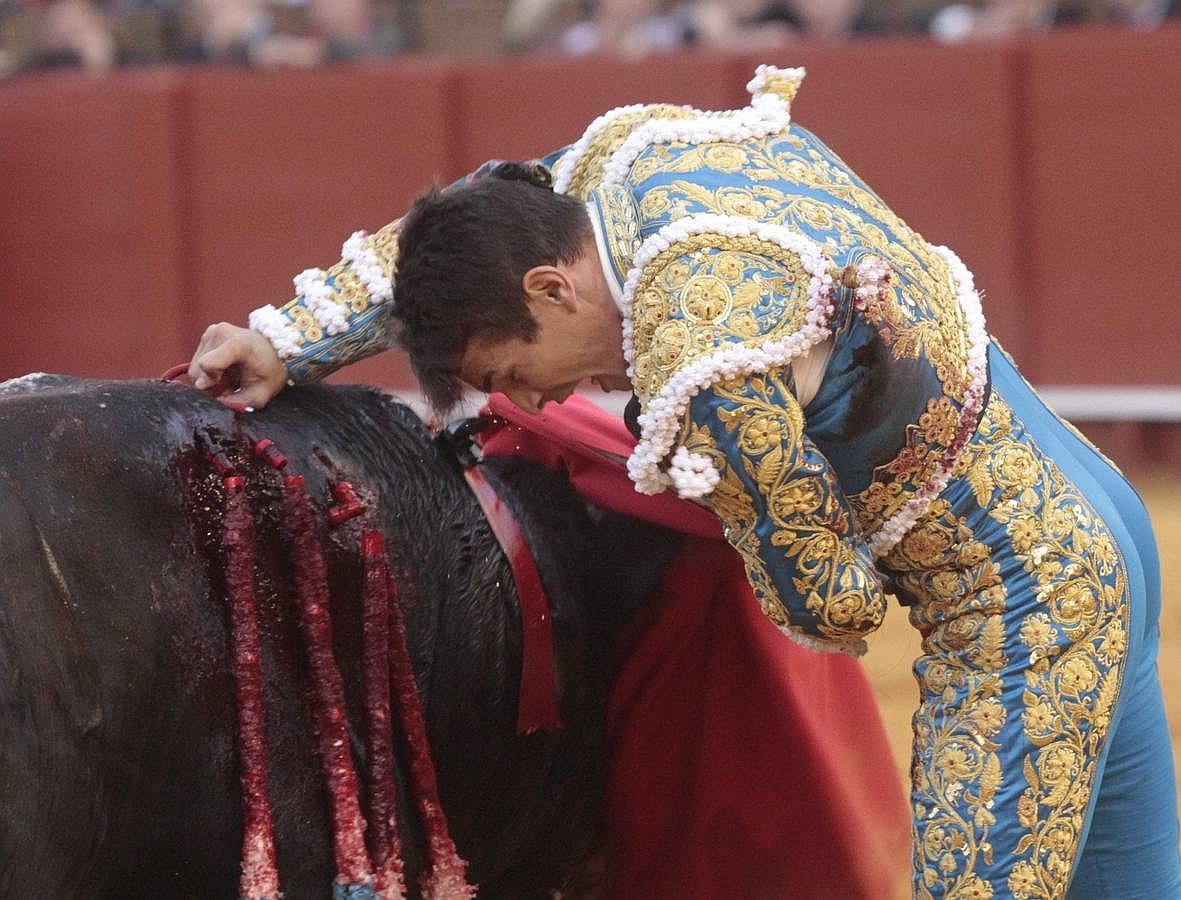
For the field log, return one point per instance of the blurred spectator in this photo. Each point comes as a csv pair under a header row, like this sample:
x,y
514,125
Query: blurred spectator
x,y
636,27
1143,13
1001,18
820,19
992,19
349,29
246,31
74,33
632,28
88,35
226,31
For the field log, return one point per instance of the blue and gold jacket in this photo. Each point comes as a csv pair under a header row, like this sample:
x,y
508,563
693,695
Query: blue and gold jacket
x,y
745,251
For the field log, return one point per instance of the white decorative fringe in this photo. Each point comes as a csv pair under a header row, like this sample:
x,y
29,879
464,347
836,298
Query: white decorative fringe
x,y
271,324
661,420
367,267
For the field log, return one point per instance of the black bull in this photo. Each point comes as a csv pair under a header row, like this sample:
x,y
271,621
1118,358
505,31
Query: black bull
x,y
118,766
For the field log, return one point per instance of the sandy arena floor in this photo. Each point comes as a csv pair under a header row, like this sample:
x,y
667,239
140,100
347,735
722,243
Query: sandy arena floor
x,y
895,647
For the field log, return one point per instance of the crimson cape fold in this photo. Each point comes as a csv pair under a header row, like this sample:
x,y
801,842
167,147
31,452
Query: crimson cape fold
x,y
742,765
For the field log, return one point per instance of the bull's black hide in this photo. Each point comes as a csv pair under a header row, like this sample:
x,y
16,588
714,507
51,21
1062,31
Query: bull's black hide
x,y
118,769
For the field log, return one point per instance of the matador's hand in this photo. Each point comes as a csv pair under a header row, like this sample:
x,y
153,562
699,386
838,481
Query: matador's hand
x,y
243,357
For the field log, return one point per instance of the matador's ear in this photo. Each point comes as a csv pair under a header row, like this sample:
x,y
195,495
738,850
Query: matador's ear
x,y
781,83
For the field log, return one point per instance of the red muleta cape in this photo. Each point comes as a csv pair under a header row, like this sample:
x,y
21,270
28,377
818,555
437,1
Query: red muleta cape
x,y
743,766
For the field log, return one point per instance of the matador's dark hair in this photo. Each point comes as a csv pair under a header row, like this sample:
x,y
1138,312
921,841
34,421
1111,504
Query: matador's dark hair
x,y
462,254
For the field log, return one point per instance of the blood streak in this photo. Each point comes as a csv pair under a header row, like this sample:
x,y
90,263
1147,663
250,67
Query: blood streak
x,y
260,875
447,879
383,824
352,862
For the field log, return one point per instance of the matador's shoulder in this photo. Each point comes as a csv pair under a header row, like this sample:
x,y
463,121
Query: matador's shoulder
x,y
583,166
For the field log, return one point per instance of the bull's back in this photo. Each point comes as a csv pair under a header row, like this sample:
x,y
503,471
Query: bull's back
x,y
99,738
49,704
120,776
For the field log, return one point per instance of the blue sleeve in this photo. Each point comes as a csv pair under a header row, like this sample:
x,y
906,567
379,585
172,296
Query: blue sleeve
x,y
783,509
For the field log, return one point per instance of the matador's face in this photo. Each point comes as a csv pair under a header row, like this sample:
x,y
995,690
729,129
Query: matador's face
x,y
579,338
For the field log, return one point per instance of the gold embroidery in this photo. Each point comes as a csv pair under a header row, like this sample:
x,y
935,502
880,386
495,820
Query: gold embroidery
x,y
384,243
809,523
348,289
734,507
957,770
1058,625
588,169
1068,635
706,298
621,227
897,481
1076,641
812,191
707,291
303,320
920,317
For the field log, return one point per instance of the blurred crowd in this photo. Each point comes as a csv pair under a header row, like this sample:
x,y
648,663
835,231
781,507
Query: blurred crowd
x,y
100,34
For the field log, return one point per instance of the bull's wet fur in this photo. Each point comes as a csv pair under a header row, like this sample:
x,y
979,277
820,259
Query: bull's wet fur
x,y
118,766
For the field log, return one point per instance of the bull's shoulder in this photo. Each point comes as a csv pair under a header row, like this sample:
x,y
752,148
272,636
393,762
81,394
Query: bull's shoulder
x,y
39,381
352,404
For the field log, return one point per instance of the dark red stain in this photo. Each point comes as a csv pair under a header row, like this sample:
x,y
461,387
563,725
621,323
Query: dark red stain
x,y
260,875
387,668
446,876
311,581
384,845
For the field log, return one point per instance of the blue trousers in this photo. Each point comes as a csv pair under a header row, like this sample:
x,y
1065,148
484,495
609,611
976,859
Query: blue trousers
x,y
1129,847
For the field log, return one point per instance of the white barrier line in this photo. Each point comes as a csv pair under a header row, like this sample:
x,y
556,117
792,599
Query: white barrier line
x,y
1147,403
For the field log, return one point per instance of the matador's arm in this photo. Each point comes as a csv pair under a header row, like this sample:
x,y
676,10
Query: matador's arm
x,y
783,509
720,314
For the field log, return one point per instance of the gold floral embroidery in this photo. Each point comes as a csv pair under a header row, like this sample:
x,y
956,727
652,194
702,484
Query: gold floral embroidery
x,y
303,320
957,766
348,289
810,190
920,317
384,243
833,591
1066,631
1076,641
735,508
706,298
1059,625
897,481
711,290
621,227
588,169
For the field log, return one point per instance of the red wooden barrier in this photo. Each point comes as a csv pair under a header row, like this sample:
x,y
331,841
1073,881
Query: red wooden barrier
x,y
521,108
279,168
138,207
89,252
1102,205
